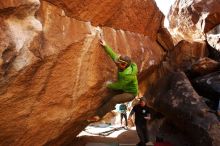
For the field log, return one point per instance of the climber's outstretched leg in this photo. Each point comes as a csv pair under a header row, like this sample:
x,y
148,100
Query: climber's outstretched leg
x,y
110,105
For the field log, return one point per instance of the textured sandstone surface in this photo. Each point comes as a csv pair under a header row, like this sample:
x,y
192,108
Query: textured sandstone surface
x,y
19,28
53,70
186,53
190,19
204,66
134,15
165,39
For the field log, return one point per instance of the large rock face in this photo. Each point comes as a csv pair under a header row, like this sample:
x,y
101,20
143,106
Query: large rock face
x,y
53,71
190,19
174,97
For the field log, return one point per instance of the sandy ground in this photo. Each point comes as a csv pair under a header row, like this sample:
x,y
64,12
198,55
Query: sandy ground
x,y
167,131
121,136
129,136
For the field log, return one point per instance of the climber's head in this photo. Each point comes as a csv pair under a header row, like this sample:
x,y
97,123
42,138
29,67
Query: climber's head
x,y
123,62
142,101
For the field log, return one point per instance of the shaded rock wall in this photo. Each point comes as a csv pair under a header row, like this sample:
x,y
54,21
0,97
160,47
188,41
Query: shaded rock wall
x,y
174,95
208,86
53,70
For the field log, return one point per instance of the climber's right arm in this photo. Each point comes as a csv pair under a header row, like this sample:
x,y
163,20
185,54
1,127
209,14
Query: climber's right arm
x,y
109,51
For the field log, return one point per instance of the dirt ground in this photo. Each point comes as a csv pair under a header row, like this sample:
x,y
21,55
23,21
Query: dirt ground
x,y
125,137
159,127
130,137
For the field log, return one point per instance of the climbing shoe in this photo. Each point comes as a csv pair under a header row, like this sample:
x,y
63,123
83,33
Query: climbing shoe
x,y
93,119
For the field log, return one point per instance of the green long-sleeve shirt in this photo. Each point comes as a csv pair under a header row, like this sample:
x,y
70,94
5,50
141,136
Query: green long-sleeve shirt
x,y
127,79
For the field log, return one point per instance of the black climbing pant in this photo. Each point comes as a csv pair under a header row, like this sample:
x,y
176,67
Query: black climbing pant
x,y
141,129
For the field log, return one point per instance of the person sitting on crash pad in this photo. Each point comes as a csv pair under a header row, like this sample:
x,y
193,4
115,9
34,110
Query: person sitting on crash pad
x,y
127,81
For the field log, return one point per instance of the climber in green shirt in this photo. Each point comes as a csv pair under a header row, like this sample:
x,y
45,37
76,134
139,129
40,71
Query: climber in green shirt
x,y
127,72
127,81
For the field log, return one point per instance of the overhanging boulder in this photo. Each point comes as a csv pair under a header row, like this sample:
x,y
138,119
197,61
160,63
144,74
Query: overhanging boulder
x,y
53,71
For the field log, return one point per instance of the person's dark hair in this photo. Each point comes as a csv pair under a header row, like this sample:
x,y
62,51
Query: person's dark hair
x,y
125,58
143,99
